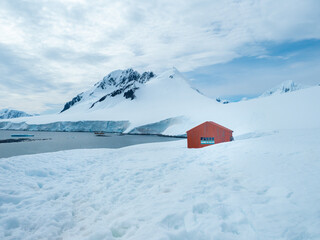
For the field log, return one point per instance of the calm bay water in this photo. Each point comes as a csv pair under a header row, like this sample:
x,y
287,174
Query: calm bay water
x,y
57,141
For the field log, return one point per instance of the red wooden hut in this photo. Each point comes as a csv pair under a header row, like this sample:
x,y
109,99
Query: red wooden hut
x,y
208,133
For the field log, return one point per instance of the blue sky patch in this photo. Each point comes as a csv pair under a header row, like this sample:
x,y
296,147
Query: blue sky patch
x,y
297,61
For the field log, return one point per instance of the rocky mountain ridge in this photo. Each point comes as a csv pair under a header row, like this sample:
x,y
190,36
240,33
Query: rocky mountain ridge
x,y
11,113
117,83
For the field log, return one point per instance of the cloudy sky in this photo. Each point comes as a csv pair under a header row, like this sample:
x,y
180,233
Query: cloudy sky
x,y
51,50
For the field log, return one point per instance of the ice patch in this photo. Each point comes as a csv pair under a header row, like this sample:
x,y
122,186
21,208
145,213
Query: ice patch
x,y
201,208
36,173
173,221
11,223
9,199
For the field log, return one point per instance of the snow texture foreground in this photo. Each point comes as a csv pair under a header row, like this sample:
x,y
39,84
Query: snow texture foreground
x,y
261,186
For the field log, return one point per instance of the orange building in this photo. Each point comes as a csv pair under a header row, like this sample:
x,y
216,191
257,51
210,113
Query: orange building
x,y
208,133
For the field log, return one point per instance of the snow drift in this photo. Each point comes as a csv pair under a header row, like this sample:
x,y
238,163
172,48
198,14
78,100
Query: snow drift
x,y
264,186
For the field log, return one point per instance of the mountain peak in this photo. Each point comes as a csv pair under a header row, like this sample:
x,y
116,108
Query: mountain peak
x,y
121,86
174,72
120,78
172,76
117,83
284,87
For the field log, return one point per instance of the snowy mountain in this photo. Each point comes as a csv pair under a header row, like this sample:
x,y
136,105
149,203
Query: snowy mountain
x,y
136,100
10,113
130,102
125,101
287,86
119,83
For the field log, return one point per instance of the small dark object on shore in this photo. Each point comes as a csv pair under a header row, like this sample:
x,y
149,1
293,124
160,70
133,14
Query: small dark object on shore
x,y
22,135
21,140
101,134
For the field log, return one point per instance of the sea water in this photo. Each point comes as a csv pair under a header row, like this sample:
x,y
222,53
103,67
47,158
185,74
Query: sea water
x,y
56,141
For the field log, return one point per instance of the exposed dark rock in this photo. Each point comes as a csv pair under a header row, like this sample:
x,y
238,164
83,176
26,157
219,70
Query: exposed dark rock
x,y
130,93
145,77
72,102
218,99
117,92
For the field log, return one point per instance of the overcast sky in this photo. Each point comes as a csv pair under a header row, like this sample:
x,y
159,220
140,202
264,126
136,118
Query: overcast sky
x,y
52,50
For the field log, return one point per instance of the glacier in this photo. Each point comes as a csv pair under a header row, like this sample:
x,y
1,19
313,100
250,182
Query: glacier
x,y
157,128
68,126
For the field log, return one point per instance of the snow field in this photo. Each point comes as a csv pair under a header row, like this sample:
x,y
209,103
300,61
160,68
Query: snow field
x,y
261,186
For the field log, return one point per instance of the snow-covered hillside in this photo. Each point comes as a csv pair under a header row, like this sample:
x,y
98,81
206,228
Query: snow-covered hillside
x,y
285,87
10,113
166,104
261,186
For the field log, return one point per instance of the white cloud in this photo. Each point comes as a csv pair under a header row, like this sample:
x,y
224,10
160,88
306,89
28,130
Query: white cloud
x,y
59,43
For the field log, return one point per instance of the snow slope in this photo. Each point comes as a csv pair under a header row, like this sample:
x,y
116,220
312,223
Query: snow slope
x,y
166,104
10,113
261,186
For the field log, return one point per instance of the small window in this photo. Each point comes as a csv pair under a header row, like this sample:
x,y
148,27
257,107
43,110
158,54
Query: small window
x,y
207,140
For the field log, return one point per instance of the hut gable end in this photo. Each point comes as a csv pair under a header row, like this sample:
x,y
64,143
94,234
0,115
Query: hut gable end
x,y
208,133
